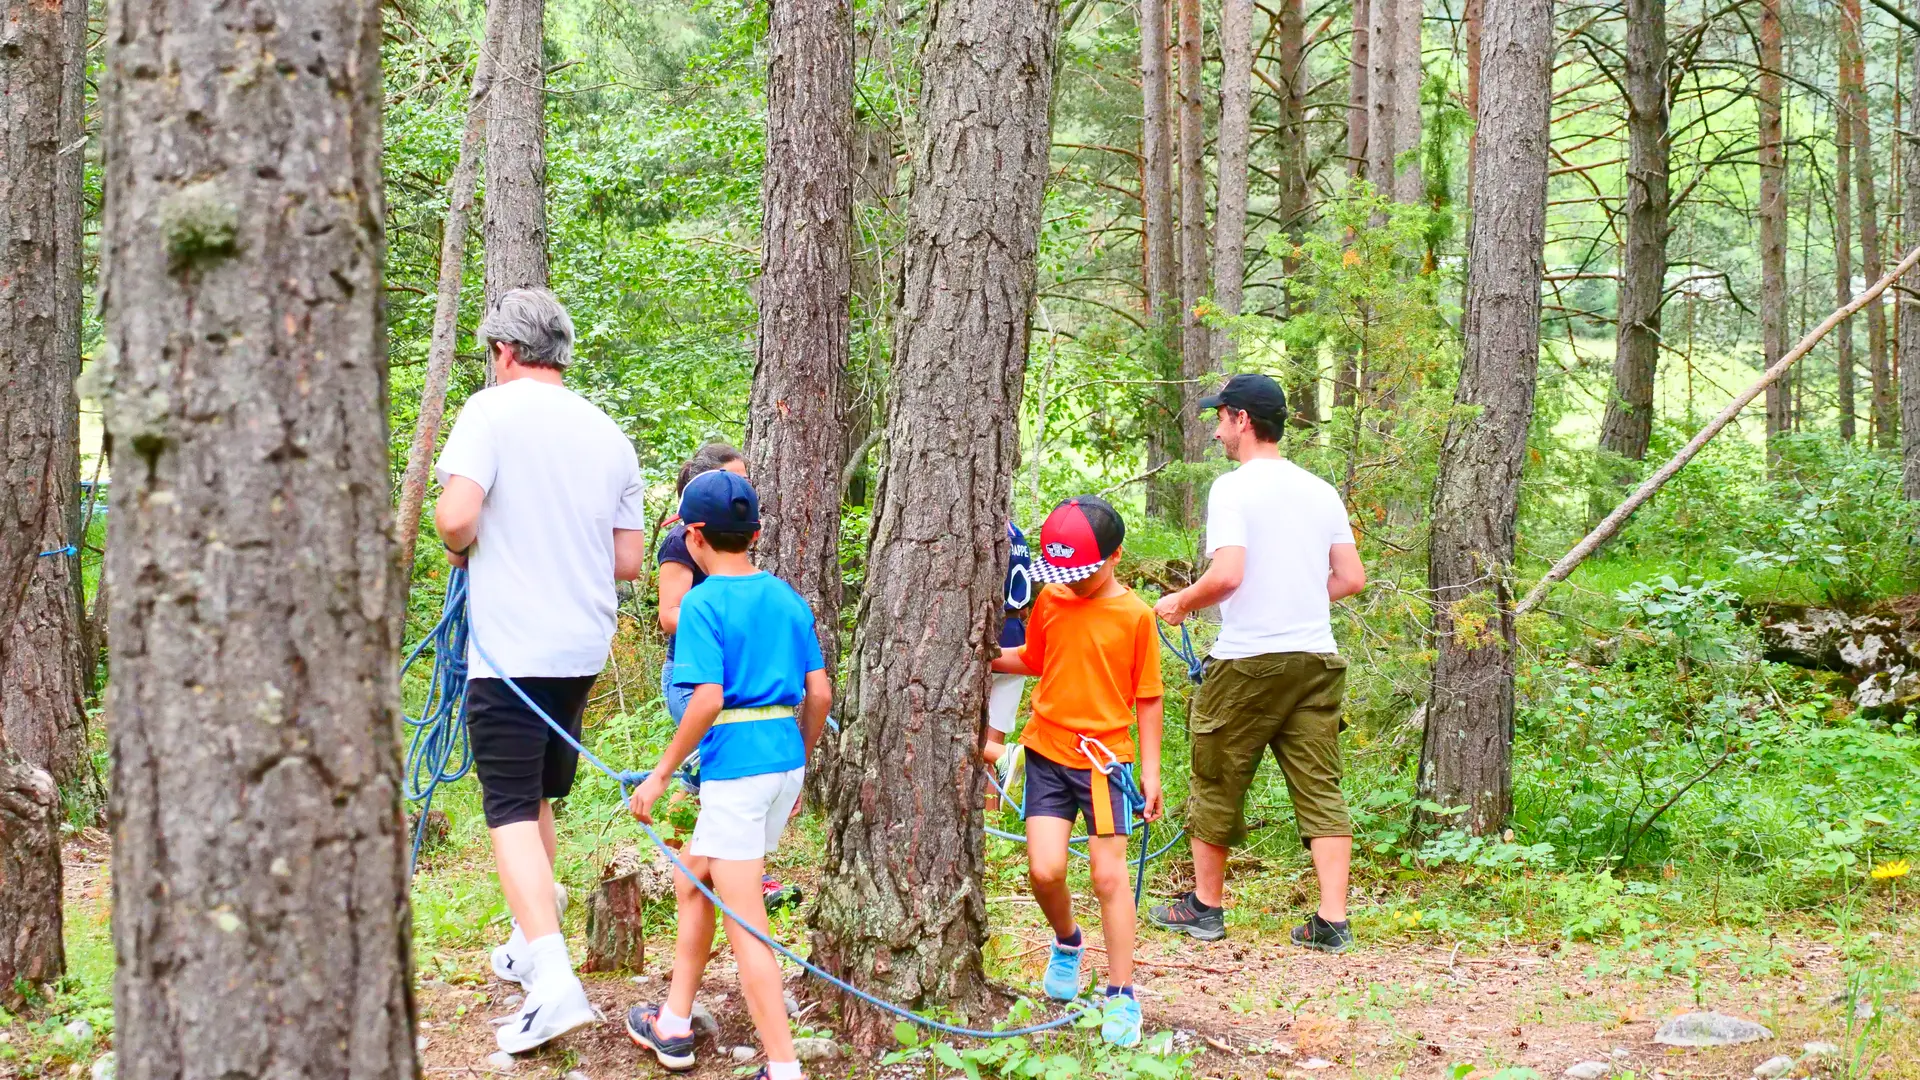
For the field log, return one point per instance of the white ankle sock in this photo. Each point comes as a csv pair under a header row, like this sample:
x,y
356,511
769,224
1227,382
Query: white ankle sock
x,y
783,1070
674,1026
549,957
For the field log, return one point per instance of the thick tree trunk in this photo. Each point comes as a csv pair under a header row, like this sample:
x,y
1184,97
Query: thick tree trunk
x,y
516,227
1383,93
1195,340
1628,424
1872,263
454,229
1409,182
1466,758
1773,218
1908,300
39,357
901,911
796,438
260,902
1843,128
1230,150
1157,148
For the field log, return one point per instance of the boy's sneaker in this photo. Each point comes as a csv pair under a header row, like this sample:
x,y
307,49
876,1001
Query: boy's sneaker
x,y
554,1006
675,1053
511,962
1189,916
1121,1024
1063,972
778,896
1317,933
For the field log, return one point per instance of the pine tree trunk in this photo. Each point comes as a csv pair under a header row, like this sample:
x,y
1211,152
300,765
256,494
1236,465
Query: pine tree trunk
x,y
1195,340
1383,93
796,439
1908,299
1466,758
1473,16
1162,259
1230,149
1359,116
1628,424
1846,102
261,918
1773,219
1409,184
445,344
39,356
902,912
1872,263
516,205
1290,207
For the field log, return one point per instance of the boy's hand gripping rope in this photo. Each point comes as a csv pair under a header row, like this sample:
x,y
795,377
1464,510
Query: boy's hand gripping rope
x,y
433,748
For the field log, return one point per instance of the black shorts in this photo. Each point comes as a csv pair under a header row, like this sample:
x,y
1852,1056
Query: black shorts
x,y
519,759
1059,791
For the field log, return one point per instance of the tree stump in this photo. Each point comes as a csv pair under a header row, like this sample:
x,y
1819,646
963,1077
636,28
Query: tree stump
x,y
614,935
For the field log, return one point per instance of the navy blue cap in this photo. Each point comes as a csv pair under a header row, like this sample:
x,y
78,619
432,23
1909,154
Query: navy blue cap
x,y
722,502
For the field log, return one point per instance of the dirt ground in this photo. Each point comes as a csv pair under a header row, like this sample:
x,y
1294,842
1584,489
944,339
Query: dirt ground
x,y
1253,1009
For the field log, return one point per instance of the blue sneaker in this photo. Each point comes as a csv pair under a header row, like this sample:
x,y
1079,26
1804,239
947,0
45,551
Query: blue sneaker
x,y
674,1053
1121,1027
1063,972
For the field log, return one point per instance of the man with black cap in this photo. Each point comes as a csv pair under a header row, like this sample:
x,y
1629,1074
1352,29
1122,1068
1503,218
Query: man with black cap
x,y
1282,552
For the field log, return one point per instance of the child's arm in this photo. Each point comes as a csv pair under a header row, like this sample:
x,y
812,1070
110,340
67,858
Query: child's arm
x,y
702,711
813,708
1014,663
1152,714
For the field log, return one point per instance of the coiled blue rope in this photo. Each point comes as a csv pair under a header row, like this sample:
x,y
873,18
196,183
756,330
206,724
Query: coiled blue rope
x,y
1196,664
1135,803
438,751
453,626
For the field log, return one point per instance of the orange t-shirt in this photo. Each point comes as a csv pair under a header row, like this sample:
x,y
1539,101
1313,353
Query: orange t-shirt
x,y
1096,658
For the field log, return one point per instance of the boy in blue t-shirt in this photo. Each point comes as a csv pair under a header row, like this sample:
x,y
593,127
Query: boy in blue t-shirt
x,y
746,648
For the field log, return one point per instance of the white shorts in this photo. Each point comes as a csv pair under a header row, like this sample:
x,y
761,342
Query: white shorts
x,y
742,819
1003,701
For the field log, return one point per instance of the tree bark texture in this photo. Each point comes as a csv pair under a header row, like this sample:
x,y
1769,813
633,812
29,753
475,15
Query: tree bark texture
x,y
1872,260
1473,16
516,204
1290,206
1773,217
796,420
1358,67
901,912
1628,423
1230,149
1158,142
445,343
260,903
1908,301
1383,95
1409,182
1196,361
1846,101
1466,757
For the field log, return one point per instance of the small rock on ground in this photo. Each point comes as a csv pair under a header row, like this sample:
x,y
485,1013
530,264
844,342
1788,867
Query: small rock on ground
x,y
1316,1063
1820,1049
793,1003
577,1075
103,1068
1709,1029
742,1054
1773,1067
703,1021
79,1031
1589,1070
816,1049
501,1061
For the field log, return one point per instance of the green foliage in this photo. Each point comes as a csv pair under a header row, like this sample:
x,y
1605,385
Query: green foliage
x,y
1065,1054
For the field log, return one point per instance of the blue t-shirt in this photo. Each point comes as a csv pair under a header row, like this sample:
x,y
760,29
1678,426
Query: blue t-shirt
x,y
1013,632
752,635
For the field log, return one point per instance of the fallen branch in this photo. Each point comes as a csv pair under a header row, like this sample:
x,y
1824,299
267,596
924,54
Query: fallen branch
x,y
1604,531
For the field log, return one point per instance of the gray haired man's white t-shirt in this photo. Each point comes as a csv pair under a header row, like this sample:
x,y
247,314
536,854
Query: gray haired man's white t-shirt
x,y
560,476
1288,520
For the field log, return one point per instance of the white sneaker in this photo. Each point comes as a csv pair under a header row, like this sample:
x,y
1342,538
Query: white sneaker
x,y
554,1006
511,962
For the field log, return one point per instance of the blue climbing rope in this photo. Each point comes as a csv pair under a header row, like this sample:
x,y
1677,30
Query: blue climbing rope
x,y
1196,664
1135,803
433,751
68,550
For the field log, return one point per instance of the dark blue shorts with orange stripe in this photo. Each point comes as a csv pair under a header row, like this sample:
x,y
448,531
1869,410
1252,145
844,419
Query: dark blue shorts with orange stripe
x,y
1060,791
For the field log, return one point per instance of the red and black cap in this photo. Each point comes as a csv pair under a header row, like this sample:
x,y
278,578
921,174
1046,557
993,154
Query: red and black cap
x,y
1076,538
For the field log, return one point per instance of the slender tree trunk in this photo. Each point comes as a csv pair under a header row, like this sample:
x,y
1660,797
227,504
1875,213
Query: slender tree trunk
x,y
1872,262
39,321
1383,93
1409,183
1230,149
796,418
902,912
1291,204
1157,148
1773,218
1907,296
1359,116
454,230
516,227
1473,16
1628,424
261,919
1466,758
1846,102
1195,340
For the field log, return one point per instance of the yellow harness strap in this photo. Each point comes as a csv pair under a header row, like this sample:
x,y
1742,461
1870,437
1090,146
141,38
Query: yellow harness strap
x,y
761,712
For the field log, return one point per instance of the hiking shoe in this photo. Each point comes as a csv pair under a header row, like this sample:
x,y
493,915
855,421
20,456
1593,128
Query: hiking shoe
x,y
1319,934
554,1006
1063,972
674,1053
511,963
1187,916
1121,1025
778,896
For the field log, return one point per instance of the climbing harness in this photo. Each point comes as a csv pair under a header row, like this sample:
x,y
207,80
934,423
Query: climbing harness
x,y
432,761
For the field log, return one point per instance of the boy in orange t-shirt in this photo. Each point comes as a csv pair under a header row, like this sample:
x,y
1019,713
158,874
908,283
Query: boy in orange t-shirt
x,y
1092,645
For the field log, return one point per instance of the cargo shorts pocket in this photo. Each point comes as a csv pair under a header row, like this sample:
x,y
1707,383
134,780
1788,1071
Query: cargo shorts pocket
x,y
1236,690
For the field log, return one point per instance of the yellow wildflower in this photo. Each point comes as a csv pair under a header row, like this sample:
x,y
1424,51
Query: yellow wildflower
x,y
1895,869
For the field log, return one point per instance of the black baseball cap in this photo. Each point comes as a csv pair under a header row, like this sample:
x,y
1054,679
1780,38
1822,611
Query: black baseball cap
x,y
1253,394
721,502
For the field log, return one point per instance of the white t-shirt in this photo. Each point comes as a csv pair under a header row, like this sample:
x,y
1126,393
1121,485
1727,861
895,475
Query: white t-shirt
x,y
560,476
1288,520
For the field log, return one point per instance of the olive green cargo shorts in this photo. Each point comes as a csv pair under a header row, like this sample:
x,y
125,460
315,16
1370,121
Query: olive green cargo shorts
x,y
1289,702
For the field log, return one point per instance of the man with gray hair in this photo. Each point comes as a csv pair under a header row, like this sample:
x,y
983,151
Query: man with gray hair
x,y
541,502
